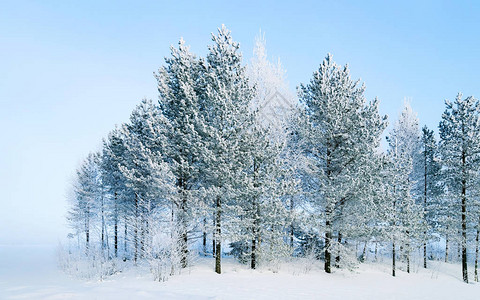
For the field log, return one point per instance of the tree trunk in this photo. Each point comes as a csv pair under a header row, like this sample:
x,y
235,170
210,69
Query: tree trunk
x,y
408,262
204,242
253,258
464,219
337,258
393,258
182,219
291,225
328,216
125,235
103,221
214,244
446,246
256,214
476,250
364,252
425,254
184,261
115,225
87,234
218,237
407,252
328,238
425,207
135,230
184,239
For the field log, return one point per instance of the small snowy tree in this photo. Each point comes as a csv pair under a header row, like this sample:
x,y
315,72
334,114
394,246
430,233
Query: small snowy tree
x,y
86,191
460,153
429,184
273,101
404,142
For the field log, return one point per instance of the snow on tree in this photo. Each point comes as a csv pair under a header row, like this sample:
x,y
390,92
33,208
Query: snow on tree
x,y
228,151
179,84
115,182
460,153
273,101
87,190
404,150
148,176
227,118
343,131
261,222
429,184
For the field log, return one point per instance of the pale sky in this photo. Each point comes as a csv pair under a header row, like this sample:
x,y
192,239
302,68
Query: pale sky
x,y
70,72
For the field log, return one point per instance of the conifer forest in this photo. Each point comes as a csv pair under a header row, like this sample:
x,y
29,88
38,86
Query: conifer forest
x,y
228,162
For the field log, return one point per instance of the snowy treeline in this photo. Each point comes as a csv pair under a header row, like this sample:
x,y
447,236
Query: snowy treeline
x,y
229,163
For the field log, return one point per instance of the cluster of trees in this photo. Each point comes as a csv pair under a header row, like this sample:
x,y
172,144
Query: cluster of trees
x,y
228,161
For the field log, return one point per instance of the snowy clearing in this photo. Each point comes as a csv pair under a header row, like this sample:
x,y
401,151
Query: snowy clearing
x,y
30,272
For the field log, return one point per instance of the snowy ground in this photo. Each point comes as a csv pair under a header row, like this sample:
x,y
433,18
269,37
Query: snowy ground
x,y
29,272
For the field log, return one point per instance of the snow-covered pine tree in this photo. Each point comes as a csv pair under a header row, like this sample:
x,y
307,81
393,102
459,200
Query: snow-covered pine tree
x,y
143,166
227,119
273,100
343,131
460,154
404,147
86,192
115,182
264,214
429,183
296,163
179,84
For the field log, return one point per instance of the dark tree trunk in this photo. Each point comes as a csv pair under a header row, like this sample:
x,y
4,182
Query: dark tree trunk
x,y
87,235
218,237
408,262
337,258
476,250
364,253
103,222
407,251
256,213
328,216
214,243
204,242
328,239
184,237
393,259
446,246
425,208
115,225
425,254
394,224
253,258
135,230
125,235
184,260
182,189
291,225
464,219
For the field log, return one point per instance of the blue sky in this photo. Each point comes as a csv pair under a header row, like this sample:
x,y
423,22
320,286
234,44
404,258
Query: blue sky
x,y
70,71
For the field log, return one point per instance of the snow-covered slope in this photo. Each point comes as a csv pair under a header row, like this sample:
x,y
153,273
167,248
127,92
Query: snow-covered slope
x,y
30,272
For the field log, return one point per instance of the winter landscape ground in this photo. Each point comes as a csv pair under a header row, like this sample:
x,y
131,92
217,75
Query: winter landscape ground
x,y
30,272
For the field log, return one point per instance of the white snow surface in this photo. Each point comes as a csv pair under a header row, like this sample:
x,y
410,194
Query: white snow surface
x,y
30,272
